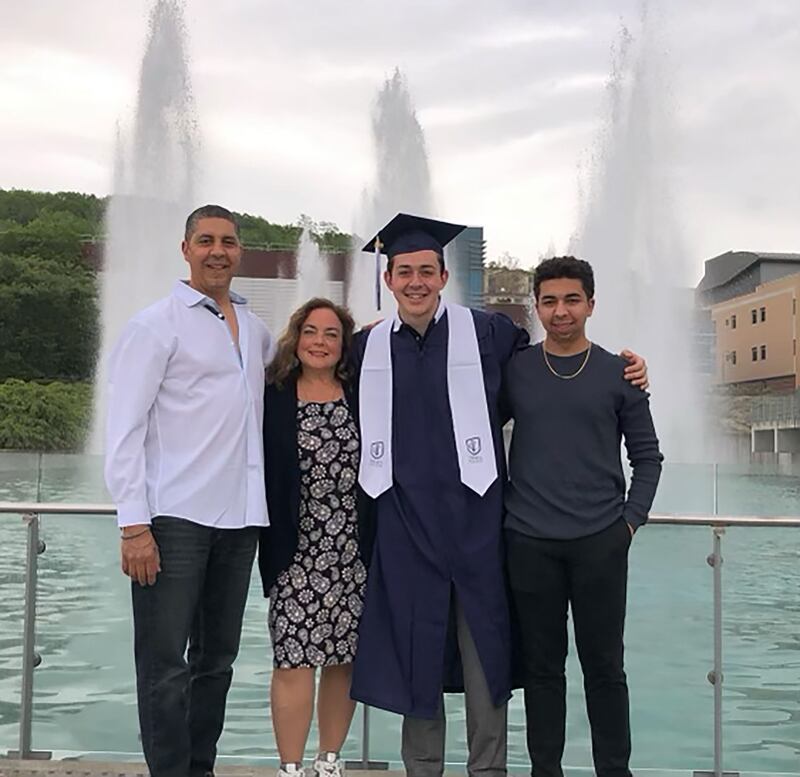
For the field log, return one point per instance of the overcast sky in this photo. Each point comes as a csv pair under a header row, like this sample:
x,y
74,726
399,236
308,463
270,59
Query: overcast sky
x,y
510,93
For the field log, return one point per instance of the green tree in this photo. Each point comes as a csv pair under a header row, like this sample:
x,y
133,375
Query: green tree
x,y
329,237
48,319
54,234
258,231
21,206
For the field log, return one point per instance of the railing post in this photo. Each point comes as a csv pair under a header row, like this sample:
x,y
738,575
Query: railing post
x,y
30,658
365,763
365,738
716,561
715,676
715,491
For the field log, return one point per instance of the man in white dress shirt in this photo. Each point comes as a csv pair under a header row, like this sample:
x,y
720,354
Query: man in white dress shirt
x,y
184,466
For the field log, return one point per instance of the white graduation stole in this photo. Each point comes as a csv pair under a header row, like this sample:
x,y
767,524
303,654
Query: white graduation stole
x,y
471,426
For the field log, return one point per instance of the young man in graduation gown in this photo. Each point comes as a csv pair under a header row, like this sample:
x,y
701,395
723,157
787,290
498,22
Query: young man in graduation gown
x,y
436,616
569,520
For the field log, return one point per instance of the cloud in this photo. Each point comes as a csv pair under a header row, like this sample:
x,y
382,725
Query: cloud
x,y
511,95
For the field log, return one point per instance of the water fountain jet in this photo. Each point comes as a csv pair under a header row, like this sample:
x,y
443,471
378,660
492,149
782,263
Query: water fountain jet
x,y
312,269
632,237
402,183
154,180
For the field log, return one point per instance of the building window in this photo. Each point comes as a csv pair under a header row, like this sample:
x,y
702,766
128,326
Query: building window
x,y
763,352
754,353
733,358
763,314
754,316
733,322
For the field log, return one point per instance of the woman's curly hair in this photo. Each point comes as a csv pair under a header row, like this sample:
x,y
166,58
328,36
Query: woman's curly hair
x,y
286,364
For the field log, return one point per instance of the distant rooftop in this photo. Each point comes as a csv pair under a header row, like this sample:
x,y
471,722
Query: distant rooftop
x,y
724,268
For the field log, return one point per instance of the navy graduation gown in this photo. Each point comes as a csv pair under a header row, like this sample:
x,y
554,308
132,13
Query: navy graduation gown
x,y
434,536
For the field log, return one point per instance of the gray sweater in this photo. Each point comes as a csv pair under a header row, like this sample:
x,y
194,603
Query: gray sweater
x,y
565,470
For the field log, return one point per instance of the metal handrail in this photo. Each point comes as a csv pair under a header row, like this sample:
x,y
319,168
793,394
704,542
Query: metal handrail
x,y
57,508
678,519
31,511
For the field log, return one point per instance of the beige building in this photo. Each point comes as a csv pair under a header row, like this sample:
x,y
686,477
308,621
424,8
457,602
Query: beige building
x,y
756,336
509,290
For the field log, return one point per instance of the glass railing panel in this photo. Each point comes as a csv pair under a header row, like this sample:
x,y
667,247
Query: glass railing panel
x,y
385,730
12,602
761,648
685,488
72,477
19,476
84,689
757,488
760,488
52,477
668,654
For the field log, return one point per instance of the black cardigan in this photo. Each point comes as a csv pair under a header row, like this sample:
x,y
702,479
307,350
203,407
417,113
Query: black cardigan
x,y
278,542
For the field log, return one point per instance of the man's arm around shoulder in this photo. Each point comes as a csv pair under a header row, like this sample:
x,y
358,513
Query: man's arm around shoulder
x,y
506,335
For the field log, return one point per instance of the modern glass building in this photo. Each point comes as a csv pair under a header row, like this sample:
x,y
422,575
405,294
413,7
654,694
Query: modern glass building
x,y
465,257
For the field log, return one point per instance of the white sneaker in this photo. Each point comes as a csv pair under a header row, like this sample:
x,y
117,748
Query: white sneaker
x,y
328,765
291,770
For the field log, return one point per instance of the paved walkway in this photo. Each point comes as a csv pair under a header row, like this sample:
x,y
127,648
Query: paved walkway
x,y
107,769
119,769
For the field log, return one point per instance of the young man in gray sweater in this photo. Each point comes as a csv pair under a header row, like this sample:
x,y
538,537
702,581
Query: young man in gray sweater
x,y
569,520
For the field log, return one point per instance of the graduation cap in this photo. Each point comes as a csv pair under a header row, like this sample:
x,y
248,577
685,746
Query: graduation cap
x,y
405,234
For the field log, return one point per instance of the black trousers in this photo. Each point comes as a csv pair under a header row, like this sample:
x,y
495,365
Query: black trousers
x,y
198,599
590,575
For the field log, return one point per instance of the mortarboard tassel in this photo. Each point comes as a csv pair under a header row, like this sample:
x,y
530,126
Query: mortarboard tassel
x,y
378,248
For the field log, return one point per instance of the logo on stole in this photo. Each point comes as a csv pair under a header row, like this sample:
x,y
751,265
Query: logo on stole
x,y
377,449
474,446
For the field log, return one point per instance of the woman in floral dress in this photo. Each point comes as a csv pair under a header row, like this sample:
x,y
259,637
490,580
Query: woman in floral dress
x,y
311,558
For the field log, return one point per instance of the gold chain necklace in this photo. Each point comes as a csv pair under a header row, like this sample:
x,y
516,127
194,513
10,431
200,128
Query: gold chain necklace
x,y
574,374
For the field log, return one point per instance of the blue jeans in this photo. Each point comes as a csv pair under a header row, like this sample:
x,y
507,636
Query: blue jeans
x,y
198,599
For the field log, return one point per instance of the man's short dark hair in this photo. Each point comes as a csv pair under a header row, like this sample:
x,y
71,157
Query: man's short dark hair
x,y
208,212
564,267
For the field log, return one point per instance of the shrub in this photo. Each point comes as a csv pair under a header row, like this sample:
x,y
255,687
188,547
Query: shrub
x,y
44,416
48,320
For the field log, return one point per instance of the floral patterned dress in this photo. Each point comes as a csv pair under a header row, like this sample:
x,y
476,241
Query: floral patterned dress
x,y
316,602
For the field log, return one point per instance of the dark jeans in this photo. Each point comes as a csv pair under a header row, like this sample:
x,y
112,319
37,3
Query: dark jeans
x,y
199,599
590,574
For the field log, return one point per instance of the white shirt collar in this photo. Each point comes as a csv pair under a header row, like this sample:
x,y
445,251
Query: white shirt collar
x,y
191,297
440,310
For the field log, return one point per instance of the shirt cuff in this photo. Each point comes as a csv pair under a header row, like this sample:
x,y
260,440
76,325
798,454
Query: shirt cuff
x,y
132,513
